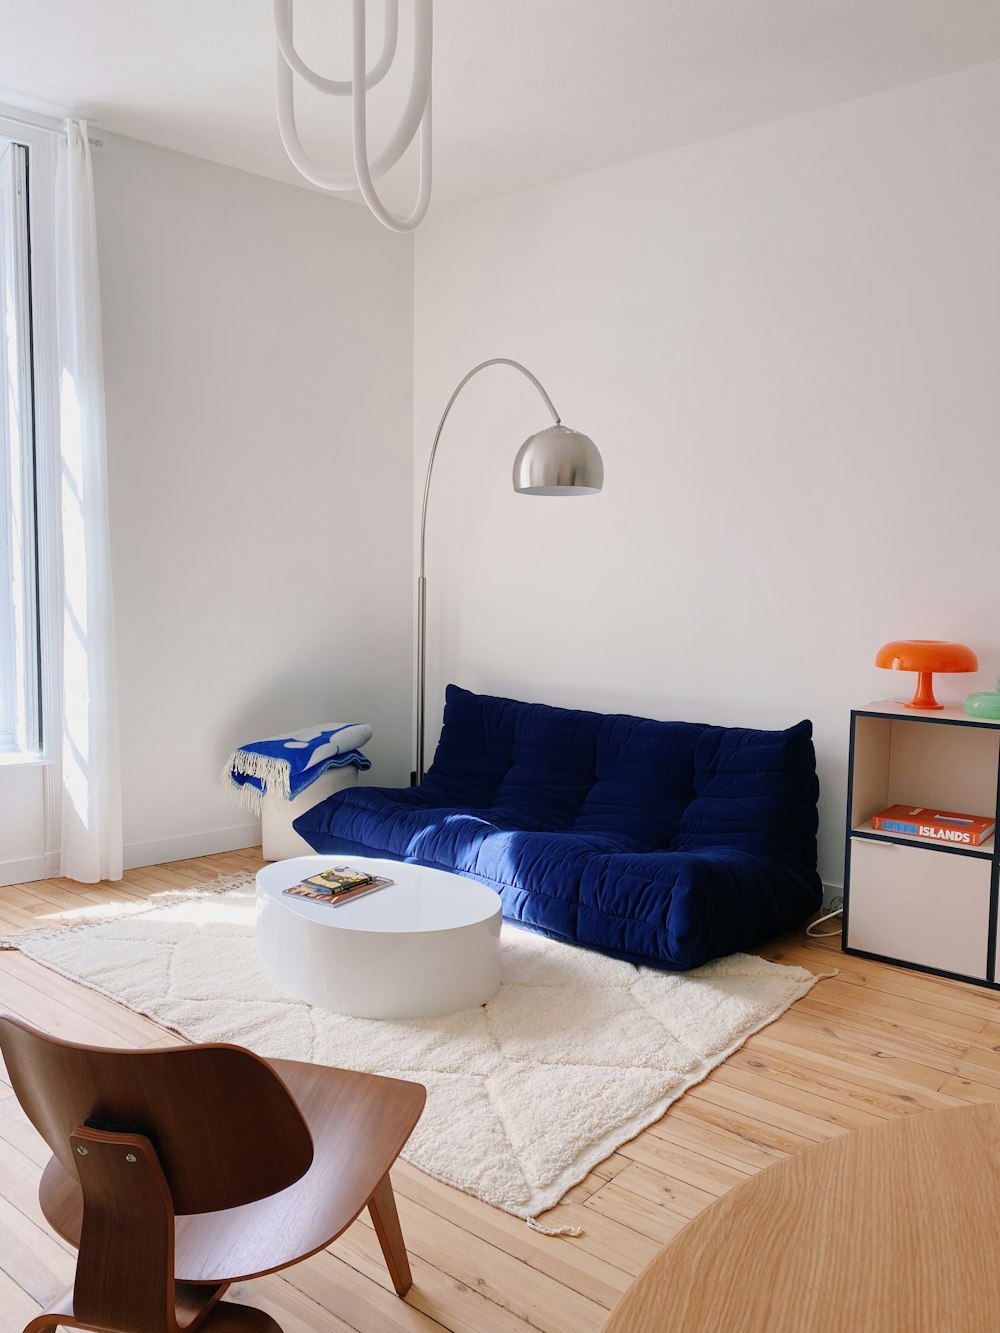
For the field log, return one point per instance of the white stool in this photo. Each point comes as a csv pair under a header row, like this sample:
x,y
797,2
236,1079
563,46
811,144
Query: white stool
x,y
279,839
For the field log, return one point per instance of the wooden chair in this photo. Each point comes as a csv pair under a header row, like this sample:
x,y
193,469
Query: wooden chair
x,y
179,1171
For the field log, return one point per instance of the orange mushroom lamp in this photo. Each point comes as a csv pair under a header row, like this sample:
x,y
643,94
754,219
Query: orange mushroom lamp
x,y
925,656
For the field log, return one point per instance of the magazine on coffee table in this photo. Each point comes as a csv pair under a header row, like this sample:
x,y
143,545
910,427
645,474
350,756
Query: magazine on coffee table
x,y
371,885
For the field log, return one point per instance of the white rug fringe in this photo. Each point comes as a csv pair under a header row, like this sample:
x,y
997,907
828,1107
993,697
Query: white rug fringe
x,y
118,910
553,1231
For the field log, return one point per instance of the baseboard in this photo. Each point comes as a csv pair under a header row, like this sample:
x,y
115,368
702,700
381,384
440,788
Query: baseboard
x,y
189,845
182,848
29,868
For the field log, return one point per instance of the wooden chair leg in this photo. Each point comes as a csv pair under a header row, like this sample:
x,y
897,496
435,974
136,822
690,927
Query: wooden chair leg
x,y
385,1219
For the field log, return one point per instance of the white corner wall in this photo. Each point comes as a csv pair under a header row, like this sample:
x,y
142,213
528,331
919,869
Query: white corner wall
x,y
258,360
785,343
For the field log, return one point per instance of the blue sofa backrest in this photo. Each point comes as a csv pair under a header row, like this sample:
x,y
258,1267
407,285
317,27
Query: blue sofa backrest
x,y
679,785
756,791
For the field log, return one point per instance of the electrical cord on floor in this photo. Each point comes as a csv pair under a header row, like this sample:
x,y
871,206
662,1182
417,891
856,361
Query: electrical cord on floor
x,y
815,934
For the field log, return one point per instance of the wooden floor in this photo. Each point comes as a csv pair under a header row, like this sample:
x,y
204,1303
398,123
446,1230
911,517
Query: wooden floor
x,y
873,1043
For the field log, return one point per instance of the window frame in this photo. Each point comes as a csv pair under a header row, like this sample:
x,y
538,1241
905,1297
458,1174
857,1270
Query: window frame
x,y
20,659
39,136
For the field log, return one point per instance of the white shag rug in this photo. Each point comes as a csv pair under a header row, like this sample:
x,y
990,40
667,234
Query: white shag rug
x,y
575,1055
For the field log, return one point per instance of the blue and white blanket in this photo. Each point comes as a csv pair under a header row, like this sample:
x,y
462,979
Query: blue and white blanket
x,y
286,765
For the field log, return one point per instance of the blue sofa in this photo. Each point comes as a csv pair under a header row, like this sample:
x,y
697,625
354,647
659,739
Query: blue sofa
x,y
664,843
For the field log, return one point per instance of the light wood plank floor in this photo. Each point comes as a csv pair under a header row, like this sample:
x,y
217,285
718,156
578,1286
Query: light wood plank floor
x,y
873,1043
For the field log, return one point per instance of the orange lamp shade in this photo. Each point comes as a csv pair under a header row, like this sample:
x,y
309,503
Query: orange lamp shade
x,y
925,656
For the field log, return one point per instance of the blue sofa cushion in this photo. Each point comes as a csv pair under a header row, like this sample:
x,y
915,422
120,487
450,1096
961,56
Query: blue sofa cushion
x,y
662,842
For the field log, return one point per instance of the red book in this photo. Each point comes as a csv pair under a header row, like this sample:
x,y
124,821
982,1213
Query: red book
x,y
924,821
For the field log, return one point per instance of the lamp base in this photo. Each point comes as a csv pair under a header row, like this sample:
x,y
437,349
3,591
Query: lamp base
x,y
924,695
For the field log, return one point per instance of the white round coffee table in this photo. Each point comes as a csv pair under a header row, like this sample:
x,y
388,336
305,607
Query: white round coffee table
x,y
428,944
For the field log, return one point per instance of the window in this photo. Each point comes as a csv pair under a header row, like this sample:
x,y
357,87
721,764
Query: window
x,y
20,720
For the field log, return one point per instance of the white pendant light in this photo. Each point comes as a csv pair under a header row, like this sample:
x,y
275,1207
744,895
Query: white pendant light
x,y
416,115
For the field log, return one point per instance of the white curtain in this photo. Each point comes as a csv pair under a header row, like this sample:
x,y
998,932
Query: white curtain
x,y
91,846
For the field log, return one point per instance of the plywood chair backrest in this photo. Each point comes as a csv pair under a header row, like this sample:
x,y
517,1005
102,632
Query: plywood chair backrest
x,y
223,1125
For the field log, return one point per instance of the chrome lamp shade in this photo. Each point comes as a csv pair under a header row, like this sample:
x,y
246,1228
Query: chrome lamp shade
x,y
558,461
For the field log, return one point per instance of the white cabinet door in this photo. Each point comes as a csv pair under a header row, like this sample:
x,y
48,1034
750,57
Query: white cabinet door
x,y
920,905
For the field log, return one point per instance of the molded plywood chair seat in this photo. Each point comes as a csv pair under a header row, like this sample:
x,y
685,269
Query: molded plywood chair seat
x,y
179,1171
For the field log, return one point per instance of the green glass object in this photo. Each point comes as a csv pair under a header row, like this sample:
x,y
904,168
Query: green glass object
x,y
985,704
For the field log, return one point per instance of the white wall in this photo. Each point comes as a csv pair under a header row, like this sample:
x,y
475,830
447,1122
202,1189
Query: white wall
x,y
785,343
258,359
22,823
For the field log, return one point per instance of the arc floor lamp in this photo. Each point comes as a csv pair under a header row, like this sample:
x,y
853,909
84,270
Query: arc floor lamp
x,y
555,461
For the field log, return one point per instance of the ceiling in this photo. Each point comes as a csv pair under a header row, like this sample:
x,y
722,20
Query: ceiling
x,y
525,91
